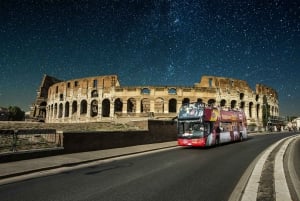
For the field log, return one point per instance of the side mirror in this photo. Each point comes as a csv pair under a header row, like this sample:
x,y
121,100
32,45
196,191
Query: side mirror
x,y
174,120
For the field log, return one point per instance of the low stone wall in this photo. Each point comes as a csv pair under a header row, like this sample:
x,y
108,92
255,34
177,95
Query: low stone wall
x,y
29,143
81,141
158,131
83,127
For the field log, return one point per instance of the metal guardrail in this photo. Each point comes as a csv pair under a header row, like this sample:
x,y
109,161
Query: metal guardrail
x,y
29,139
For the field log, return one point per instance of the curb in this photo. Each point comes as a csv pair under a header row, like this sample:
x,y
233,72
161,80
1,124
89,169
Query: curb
x,y
247,188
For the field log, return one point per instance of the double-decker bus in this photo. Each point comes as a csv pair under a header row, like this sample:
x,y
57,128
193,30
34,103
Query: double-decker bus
x,y
200,125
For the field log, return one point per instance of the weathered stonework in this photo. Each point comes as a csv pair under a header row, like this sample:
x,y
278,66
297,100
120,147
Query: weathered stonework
x,y
94,99
38,109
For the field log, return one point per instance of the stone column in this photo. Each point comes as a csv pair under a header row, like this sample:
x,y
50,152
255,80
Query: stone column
x,y
166,107
47,114
246,110
112,109
152,105
179,103
50,113
124,107
99,109
78,111
88,110
63,111
137,106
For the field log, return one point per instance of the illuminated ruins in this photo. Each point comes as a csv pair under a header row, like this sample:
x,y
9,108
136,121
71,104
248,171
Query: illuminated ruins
x,y
94,99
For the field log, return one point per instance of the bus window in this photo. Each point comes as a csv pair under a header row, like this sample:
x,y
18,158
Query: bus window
x,y
191,129
207,128
226,127
183,127
240,126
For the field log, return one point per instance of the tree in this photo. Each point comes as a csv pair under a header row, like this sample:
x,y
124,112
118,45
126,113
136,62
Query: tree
x,y
265,112
16,114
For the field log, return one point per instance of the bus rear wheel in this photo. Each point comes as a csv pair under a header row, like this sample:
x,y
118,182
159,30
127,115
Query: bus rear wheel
x,y
241,137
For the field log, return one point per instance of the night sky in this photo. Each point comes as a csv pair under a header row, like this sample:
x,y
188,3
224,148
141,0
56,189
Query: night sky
x,y
150,42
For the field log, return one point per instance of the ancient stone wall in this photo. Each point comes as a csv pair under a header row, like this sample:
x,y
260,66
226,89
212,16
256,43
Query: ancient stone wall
x,y
38,108
101,98
159,131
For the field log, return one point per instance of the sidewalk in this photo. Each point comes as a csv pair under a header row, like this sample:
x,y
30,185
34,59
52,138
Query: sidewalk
x,y
23,167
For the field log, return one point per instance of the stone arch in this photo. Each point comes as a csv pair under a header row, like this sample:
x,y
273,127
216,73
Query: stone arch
x,y
74,107
257,97
55,109
242,95
199,100
145,105
95,83
257,111
250,109
185,101
60,110
173,105
211,102
94,108
83,107
272,111
67,109
159,105
131,105
242,105
223,103
94,93
145,91
118,105
105,108
172,91
42,107
233,104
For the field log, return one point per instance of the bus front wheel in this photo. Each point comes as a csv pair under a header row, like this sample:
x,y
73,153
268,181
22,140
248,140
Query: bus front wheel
x,y
217,142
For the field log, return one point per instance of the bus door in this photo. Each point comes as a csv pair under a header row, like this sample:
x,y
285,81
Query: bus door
x,y
226,133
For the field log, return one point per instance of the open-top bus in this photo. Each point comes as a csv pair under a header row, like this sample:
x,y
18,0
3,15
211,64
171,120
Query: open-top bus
x,y
199,125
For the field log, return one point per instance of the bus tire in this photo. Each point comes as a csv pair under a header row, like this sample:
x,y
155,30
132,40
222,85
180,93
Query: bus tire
x,y
217,142
241,137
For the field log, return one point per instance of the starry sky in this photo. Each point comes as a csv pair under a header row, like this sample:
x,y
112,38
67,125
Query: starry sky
x,y
150,42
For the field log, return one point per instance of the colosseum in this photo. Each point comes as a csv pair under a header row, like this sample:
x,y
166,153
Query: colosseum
x,y
99,98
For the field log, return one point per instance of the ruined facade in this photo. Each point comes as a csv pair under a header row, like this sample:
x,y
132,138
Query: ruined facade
x,y
99,98
38,108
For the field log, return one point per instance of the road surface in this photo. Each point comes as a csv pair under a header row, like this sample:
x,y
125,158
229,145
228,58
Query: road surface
x,y
178,174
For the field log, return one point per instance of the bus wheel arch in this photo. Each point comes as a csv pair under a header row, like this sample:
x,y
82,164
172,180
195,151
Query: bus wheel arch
x,y
217,141
241,137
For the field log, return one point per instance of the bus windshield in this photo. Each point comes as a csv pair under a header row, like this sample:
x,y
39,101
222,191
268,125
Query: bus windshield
x,y
192,129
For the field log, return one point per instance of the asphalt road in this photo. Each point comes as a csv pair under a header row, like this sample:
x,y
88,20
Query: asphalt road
x,y
178,174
